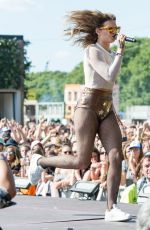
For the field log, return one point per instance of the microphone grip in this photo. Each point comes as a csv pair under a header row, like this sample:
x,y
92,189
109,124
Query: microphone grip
x,y
128,39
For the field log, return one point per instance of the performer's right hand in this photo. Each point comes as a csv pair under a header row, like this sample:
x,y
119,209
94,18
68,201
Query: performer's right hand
x,y
121,43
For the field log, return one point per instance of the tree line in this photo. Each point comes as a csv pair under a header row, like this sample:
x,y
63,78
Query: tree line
x,y
48,86
134,79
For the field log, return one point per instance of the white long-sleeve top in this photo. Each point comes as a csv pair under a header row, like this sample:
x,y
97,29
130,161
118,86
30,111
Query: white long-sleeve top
x,y
100,67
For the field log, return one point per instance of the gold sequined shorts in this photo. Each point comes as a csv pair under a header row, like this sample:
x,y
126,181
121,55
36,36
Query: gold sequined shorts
x,y
99,100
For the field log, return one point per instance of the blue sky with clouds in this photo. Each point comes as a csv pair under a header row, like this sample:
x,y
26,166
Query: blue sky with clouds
x,y
41,23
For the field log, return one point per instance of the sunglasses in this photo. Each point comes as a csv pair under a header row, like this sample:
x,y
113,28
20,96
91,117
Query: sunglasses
x,y
134,149
114,30
65,152
102,153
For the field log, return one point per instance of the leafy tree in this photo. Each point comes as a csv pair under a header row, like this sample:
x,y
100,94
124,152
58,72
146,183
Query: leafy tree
x,y
46,86
134,77
76,76
13,61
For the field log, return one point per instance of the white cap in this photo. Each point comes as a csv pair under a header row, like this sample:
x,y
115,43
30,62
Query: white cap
x,y
135,144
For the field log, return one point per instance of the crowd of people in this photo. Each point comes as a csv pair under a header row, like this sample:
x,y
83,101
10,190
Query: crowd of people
x,y
18,143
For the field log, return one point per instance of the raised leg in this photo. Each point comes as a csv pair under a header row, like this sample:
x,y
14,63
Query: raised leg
x,y
85,122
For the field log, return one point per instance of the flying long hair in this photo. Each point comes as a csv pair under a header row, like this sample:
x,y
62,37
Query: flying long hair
x,y
82,25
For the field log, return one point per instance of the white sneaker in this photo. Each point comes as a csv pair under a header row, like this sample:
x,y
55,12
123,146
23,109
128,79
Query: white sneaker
x,y
115,214
35,170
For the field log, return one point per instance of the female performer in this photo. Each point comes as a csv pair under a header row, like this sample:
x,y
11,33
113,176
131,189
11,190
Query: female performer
x,y
94,114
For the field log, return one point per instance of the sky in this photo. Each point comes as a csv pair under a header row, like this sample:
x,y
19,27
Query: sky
x,y
41,22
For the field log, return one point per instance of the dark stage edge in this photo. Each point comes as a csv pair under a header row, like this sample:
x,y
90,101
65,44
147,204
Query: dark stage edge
x,y
29,213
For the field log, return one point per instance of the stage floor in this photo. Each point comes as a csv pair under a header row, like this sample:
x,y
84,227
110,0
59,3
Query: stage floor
x,y
44,213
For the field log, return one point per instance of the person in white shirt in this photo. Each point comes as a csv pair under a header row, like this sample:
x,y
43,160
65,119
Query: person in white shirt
x,y
94,114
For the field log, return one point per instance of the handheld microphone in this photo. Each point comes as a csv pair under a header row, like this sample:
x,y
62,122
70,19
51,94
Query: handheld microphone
x,y
128,39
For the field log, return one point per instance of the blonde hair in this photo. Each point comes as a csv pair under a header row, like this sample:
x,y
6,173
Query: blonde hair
x,y
82,25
